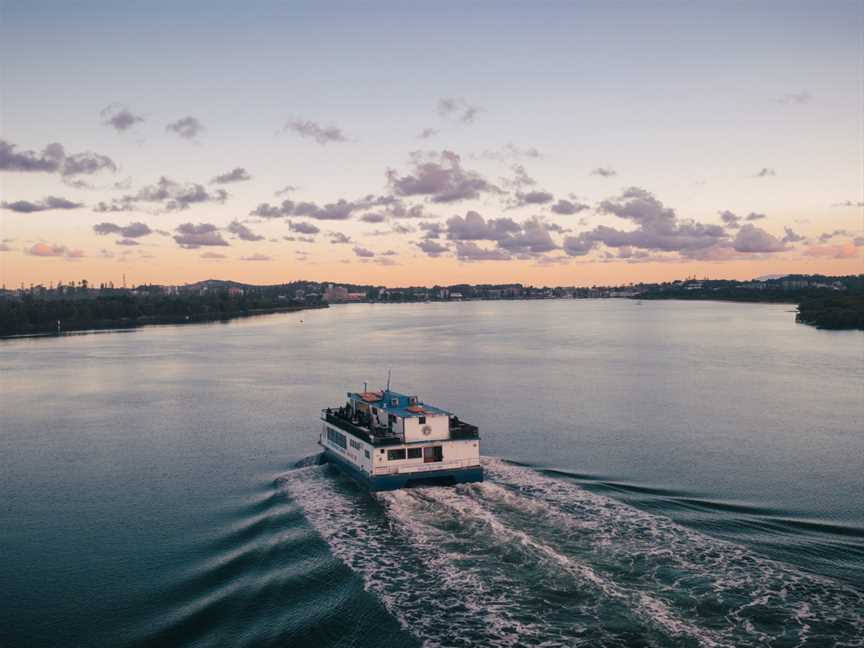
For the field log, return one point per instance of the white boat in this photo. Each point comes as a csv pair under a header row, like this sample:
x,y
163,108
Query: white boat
x,y
388,440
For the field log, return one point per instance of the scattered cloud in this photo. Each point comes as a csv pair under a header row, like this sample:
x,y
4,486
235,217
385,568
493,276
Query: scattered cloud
x,y
171,195
48,203
302,228
605,172
433,230
127,242
285,189
130,231
752,239
192,236
373,217
753,216
470,251
790,236
567,207
530,198
841,251
119,117
426,133
802,97
457,108
508,152
187,127
256,257
213,255
242,232
54,250
849,203
5,247
441,177
321,134
432,248
363,252
338,238
473,227
340,210
765,172
238,174
53,159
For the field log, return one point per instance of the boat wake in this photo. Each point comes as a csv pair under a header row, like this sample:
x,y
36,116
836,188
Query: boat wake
x,y
523,559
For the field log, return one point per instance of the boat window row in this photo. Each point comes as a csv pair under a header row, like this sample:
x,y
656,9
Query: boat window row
x,y
337,437
355,444
429,454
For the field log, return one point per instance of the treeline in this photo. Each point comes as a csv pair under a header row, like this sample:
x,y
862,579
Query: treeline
x,y
31,315
833,312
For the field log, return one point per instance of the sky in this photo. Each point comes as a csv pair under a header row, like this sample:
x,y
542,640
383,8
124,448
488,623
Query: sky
x,y
572,143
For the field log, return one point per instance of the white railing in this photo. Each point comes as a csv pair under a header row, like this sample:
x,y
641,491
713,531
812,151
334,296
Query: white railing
x,y
426,467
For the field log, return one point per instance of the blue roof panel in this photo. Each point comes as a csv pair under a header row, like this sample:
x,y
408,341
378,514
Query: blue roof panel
x,y
401,408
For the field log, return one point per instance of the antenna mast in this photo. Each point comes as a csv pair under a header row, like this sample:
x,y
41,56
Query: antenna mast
x,y
388,379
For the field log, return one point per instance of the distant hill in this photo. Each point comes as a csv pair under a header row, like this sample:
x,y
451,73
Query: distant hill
x,y
769,277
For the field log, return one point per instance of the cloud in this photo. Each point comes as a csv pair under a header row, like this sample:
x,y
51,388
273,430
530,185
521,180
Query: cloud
x,y
534,238
390,253
842,251
426,133
191,236
130,231
338,238
48,203
54,250
848,203
473,227
385,261
321,134
658,226
399,210
213,255
127,242
188,127
433,230
508,152
604,172
753,216
802,97
439,176
256,257
340,210
457,108
242,232
752,239
765,173
285,189
5,247
53,159
373,217
580,245
791,237
531,198
363,252
827,236
302,228
172,195
730,220
567,208
114,206
239,174
470,251
119,117
432,248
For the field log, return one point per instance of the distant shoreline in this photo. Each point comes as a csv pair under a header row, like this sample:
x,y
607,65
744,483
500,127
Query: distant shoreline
x,y
128,323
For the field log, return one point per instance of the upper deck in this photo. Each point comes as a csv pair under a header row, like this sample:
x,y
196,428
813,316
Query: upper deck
x,y
388,418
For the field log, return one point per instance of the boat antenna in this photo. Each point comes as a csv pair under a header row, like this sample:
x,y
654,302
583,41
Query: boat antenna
x,y
388,379
365,386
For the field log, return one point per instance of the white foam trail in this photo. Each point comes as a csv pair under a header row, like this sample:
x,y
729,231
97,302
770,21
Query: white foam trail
x,y
523,559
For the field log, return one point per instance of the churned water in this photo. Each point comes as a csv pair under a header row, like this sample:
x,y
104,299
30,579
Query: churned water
x,y
665,474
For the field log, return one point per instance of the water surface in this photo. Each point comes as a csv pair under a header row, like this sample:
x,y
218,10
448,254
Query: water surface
x,y
660,474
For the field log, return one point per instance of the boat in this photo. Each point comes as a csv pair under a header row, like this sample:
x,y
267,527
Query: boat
x,y
387,440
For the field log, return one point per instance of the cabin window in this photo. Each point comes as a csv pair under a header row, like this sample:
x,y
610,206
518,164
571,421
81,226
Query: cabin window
x,y
396,455
433,454
355,444
366,452
415,453
337,437
422,420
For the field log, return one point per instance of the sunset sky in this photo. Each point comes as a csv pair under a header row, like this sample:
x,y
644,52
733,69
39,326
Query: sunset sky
x,y
548,143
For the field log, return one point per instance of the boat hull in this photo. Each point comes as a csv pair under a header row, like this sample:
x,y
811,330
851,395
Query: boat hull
x,y
395,481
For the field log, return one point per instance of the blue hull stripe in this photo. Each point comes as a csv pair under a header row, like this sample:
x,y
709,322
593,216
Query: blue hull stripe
x,y
394,482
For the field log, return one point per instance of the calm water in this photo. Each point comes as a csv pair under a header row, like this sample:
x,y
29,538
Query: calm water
x,y
670,474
